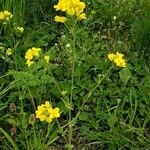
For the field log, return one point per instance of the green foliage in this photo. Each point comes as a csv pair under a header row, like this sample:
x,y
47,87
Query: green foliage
x,y
9,139
141,37
102,106
125,75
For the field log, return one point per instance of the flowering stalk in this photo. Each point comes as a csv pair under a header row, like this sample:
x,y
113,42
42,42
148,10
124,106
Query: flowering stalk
x,y
72,9
72,82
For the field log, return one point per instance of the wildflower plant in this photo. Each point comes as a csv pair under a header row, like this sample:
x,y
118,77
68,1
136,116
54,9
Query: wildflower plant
x,y
74,12
117,59
68,71
19,29
5,15
71,8
31,55
45,112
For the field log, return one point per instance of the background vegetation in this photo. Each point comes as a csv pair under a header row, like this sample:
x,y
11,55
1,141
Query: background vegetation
x,y
117,114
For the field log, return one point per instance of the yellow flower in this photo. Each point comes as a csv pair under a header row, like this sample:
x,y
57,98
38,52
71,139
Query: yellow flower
x,y
29,62
119,55
55,113
82,16
48,119
79,8
47,58
31,54
9,51
5,15
111,56
60,19
71,11
118,59
62,5
48,105
36,51
120,62
42,112
71,7
45,112
20,29
2,16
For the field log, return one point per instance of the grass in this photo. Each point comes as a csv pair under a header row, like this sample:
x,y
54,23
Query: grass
x,y
102,106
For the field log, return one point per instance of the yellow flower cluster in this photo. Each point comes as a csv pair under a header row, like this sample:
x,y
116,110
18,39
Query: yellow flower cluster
x,y
45,112
19,29
5,15
60,19
72,8
118,59
47,58
31,54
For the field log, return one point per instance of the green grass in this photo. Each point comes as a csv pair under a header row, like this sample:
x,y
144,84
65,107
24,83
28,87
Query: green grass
x,y
102,106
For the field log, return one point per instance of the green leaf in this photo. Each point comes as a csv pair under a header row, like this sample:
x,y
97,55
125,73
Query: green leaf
x,y
112,120
24,120
84,116
125,75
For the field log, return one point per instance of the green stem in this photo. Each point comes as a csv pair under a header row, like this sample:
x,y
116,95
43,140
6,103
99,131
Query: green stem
x,y
32,100
49,128
72,85
58,87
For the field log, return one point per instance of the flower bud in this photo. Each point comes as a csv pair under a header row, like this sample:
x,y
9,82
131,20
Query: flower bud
x,y
32,119
13,131
12,107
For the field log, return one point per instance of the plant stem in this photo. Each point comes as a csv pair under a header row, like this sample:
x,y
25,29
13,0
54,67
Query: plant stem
x,y
72,84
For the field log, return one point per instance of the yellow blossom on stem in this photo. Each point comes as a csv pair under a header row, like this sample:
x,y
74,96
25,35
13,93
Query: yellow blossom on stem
x,y
45,112
72,8
55,113
5,15
31,54
29,63
111,56
20,29
117,59
81,16
60,19
62,5
120,62
47,58
36,51
1,15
